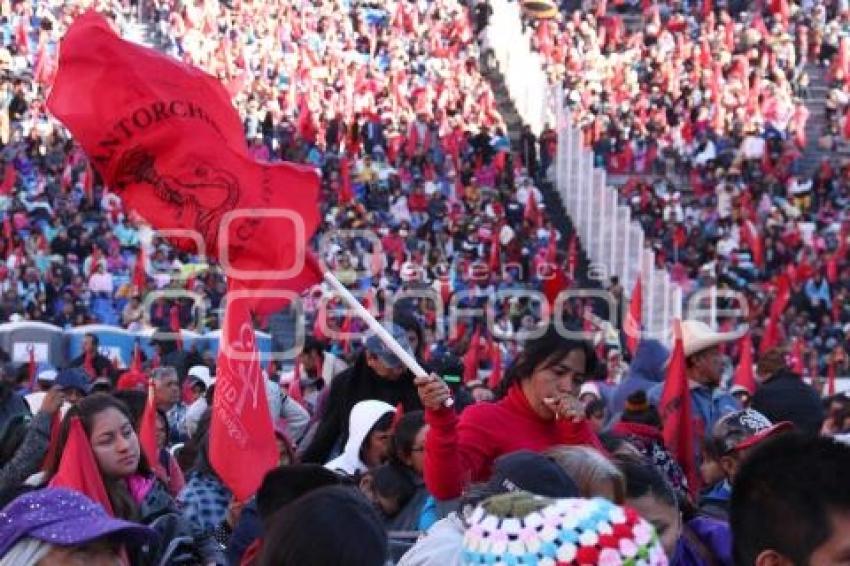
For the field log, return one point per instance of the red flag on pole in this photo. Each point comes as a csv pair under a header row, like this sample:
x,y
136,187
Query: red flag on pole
x,y
78,468
675,410
242,440
750,236
744,375
147,431
470,359
634,318
172,146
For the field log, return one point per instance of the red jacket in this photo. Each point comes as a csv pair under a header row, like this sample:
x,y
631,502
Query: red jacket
x,y
459,451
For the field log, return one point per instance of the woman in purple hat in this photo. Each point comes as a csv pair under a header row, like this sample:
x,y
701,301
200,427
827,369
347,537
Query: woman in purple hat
x,y
61,527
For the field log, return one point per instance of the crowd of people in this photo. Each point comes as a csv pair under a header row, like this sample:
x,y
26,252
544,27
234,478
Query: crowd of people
x,y
560,458
704,107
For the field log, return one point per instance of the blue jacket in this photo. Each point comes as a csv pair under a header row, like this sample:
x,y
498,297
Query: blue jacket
x,y
645,371
705,536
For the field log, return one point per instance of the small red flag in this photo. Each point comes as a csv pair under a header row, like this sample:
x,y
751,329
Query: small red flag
x,y
346,194
78,468
556,282
471,358
147,431
830,377
495,262
242,441
10,177
675,410
33,368
532,210
771,338
744,375
750,236
495,365
634,318
139,272
294,391
798,366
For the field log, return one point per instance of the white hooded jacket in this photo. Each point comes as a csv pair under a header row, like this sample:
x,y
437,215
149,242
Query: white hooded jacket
x,y
363,417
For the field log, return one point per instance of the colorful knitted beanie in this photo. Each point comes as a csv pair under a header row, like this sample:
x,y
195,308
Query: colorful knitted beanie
x,y
520,529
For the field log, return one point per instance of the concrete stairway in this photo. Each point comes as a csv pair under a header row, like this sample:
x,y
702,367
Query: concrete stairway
x,y
555,210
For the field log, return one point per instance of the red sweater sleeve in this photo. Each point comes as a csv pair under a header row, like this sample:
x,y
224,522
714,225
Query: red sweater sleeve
x,y
457,451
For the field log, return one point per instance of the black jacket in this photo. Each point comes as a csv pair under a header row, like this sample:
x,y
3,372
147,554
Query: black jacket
x,y
784,397
357,383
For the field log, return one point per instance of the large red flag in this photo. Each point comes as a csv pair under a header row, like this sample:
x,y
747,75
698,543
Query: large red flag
x,y
634,318
242,441
744,375
165,137
78,469
147,431
675,410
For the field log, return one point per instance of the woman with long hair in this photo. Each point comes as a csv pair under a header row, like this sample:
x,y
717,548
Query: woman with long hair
x,y
135,493
538,409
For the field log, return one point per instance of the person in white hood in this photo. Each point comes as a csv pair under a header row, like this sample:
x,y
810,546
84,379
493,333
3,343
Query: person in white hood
x,y
370,426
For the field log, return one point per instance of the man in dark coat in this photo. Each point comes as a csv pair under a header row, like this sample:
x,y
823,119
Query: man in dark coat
x,y
377,374
783,396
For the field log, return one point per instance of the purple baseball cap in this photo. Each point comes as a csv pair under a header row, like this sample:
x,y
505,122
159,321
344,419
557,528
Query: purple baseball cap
x,y
63,517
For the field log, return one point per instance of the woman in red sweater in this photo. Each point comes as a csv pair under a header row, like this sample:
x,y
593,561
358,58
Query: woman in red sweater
x,y
538,409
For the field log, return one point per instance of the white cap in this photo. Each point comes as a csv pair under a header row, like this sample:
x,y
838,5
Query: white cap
x,y
47,375
202,374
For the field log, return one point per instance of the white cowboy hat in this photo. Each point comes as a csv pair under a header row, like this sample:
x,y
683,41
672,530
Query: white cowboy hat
x,y
698,336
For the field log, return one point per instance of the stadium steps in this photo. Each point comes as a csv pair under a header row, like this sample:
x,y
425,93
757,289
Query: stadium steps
x,y
816,125
555,209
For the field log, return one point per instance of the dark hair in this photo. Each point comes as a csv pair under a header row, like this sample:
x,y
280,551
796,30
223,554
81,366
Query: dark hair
x,y
86,410
352,531
284,484
595,407
409,323
784,494
392,482
645,479
404,436
638,410
542,353
313,344
383,424
135,402
94,339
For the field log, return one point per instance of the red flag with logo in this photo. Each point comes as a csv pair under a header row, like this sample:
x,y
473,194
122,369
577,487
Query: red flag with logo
x,y
744,375
676,413
78,469
634,318
242,441
164,136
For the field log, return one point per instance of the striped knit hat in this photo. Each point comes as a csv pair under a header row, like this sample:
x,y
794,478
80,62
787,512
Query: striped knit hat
x,y
520,529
